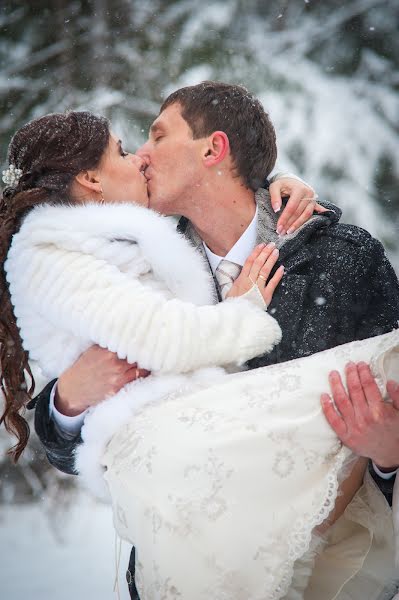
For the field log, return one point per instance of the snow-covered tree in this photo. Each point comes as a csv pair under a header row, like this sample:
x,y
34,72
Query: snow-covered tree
x,y
327,72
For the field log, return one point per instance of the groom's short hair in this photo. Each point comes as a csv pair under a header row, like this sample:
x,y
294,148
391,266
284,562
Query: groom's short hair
x,y
214,106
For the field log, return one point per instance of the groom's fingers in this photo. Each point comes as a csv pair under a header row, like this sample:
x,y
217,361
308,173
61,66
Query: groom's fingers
x,y
334,419
370,389
393,391
356,390
340,396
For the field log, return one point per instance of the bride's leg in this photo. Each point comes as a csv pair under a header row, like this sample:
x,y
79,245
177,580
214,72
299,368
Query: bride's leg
x,y
347,491
304,566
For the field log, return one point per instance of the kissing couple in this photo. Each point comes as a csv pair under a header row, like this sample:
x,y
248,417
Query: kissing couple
x,y
187,366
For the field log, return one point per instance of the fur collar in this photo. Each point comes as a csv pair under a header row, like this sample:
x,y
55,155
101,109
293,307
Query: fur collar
x,y
86,227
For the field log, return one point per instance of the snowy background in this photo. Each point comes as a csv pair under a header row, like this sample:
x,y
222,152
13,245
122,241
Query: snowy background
x,y
326,70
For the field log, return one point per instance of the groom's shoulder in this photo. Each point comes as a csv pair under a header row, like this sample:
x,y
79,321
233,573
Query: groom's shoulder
x,y
345,248
351,237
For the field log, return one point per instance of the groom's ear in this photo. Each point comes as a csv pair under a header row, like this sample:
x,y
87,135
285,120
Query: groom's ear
x,y
89,180
217,148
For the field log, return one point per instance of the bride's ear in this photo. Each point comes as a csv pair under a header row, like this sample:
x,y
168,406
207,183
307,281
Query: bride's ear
x,y
89,181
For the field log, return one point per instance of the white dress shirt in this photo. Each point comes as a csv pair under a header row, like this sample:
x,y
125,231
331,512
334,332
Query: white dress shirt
x,y
382,474
241,249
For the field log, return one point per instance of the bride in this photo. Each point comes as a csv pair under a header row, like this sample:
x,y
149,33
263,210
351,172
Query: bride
x,y
185,451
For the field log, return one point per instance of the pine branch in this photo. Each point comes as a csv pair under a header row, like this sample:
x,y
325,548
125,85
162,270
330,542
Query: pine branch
x,y
298,41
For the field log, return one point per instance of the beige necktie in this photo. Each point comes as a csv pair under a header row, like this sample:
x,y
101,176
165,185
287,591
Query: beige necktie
x,y
226,273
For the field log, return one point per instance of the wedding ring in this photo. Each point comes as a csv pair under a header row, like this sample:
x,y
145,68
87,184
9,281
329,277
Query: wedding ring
x,y
261,277
136,374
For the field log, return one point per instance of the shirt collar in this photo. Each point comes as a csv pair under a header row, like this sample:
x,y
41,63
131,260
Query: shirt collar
x,y
240,251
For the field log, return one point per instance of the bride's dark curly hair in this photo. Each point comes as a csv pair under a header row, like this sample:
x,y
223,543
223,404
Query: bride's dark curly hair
x,y
50,151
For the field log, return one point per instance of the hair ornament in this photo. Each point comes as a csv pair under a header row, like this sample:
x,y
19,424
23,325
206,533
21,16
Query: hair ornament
x,y
11,176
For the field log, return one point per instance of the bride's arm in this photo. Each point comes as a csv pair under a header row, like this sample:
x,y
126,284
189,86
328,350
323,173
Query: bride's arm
x,y
98,303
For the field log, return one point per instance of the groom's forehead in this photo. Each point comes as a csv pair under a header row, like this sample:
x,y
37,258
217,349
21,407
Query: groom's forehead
x,y
161,121
155,127
170,119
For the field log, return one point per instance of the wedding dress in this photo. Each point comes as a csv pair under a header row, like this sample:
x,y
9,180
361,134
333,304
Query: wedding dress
x,y
218,480
219,490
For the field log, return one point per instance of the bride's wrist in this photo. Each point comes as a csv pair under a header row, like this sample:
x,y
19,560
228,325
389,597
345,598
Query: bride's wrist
x,y
254,296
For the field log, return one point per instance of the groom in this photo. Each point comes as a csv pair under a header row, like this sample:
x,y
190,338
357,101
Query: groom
x,y
208,151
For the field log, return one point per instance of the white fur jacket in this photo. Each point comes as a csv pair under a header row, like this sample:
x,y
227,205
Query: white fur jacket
x,y
121,276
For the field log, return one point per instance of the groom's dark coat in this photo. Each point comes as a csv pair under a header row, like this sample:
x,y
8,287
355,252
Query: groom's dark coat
x,y
338,287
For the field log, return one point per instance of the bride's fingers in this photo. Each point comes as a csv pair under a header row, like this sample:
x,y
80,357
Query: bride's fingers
x,y
264,262
245,271
268,291
267,268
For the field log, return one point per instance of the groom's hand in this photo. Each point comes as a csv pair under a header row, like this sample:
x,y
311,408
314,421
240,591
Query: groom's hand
x,y
97,374
300,206
361,418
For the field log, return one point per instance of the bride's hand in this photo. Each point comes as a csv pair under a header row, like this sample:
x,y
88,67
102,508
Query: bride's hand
x,y
256,271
